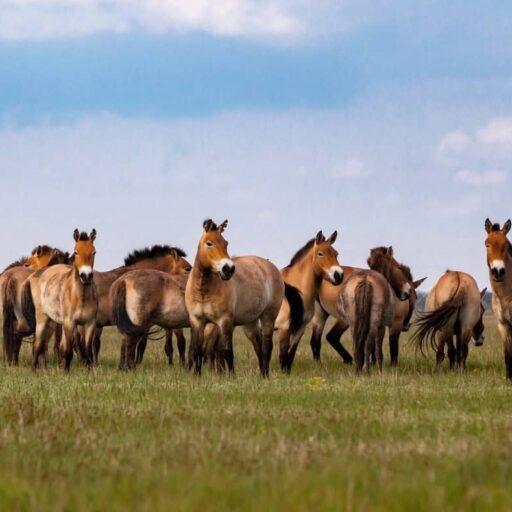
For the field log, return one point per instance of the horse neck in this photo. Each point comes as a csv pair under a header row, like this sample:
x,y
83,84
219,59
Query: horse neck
x,y
84,292
304,278
200,278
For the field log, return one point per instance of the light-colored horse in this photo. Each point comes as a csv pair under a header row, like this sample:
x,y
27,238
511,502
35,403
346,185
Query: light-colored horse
x,y
399,278
63,295
315,262
366,303
499,261
246,291
453,309
15,326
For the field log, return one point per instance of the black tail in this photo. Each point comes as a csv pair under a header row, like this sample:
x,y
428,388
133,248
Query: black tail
x,y
294,298
27,306
9,322
119,314
363,303
429,323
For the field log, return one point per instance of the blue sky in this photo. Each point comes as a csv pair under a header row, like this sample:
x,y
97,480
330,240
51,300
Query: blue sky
x,y
390,121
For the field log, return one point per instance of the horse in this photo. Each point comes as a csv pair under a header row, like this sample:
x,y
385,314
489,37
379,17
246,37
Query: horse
x,y
499,262
315,262
366,304
15,326
246,291
399,277
453,308
63,295
159,257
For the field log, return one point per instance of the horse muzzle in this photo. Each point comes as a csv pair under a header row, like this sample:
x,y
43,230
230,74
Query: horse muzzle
x,y
480,341
498,274
336,276
226,272
85,278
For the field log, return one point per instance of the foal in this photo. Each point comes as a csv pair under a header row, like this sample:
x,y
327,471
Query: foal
x,y
63,295
246,291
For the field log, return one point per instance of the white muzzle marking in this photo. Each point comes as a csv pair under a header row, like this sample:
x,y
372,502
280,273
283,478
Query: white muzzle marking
x,y
497,265
219,265
335,274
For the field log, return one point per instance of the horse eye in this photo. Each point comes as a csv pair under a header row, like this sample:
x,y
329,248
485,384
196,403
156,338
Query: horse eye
x,y
209,244
75,253
320,254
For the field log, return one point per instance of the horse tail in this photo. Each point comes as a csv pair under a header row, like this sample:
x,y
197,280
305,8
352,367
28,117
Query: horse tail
x,y
430,323
363,304
9,318
27,305
119,313
294,298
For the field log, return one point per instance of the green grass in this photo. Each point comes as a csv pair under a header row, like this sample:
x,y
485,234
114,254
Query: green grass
x,y
160,439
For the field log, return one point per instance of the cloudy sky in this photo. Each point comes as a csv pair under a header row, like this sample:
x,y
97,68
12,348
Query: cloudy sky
x,y
390,121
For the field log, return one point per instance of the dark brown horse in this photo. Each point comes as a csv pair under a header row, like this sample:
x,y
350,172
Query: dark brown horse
x,y
15,326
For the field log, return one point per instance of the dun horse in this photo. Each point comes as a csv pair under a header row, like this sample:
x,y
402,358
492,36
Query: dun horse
x,y
453,308
246,291
400,279
63,295
159,257
15,326
317,261
499,261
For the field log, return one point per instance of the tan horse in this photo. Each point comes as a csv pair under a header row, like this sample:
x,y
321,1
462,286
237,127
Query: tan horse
x,y
400,279
15,326
63,295
453,308
499,261
366,303
158,257
315,262
246,291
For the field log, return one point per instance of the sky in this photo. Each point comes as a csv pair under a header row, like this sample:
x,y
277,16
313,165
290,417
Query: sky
x,y
389,121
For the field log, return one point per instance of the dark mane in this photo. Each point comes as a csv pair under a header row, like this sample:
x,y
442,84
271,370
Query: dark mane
x,y
59,257
377,259
495,227
18,263
83,237
301,252
148,253
43,249
406,271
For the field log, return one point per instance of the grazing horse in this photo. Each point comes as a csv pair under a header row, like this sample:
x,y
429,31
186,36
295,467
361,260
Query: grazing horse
x,y
366,303
499,261
315,262
453,308
63,295
400,279
15,326
246,291
159,257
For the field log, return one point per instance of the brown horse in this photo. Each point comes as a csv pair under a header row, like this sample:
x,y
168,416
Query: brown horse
x,y
453,308
366,303
63,295
15,326
158,257
399,277
246,291
499,261
315,262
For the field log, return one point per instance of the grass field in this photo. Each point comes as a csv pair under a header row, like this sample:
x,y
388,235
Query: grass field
x,y
159,439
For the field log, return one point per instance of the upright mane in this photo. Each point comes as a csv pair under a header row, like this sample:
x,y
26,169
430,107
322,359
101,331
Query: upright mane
x,y
59,257
83,237
18,263
377,258
149,253
301,252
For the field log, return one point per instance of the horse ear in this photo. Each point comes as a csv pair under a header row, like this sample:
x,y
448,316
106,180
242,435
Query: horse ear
x,y
488,225
76,235
93,234
207,225
39,251
483,292
333,237
506,227
223,226
390,251
319,237
417,284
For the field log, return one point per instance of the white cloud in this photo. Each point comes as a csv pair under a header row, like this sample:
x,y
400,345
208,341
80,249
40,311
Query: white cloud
x,y
350,169
497,132
453,144
45,19
481,179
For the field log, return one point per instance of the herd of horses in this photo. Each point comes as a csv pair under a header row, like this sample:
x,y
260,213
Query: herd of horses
x,y
54,294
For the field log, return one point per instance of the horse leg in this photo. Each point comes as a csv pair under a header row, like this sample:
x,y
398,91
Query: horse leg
x,y
267,331
123,362
226,341
213,353
506,337
394,337
96,344
181,342
318,325
140,348
440,352
452,351
169,350
18,340
89,333
294,344
253,332
43,333
79,344
378,342
334,339
284,347
196,349
57,340
66,345
464,349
